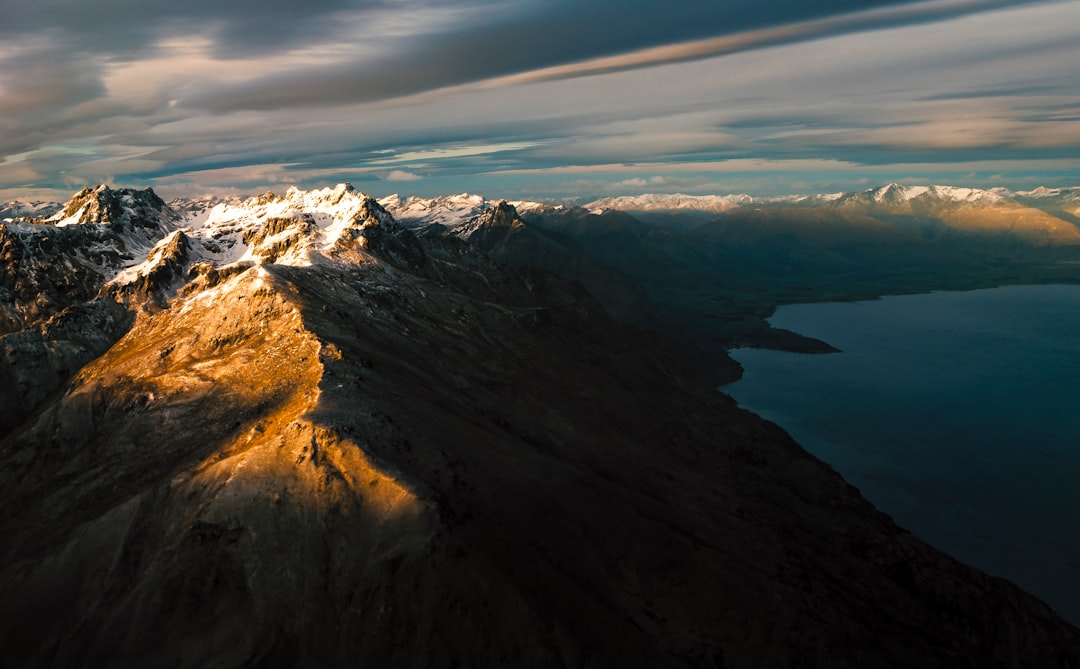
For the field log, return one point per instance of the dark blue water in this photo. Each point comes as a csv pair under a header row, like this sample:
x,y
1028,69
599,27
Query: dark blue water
x,y
956,413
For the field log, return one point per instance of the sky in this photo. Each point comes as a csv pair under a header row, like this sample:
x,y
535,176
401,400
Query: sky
x,y
539,99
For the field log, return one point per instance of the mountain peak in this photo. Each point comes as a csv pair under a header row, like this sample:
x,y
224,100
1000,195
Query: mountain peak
x,y
503,214
303,227
121,209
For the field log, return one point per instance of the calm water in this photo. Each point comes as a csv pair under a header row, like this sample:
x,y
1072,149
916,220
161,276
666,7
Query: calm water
x,y
956,413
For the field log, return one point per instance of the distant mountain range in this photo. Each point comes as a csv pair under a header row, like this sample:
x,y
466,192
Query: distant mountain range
x,y
715,204
449,209
767,250
888,194
707,270
712,268
317,429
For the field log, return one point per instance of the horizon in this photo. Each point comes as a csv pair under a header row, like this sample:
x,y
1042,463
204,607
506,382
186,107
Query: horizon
x,y
543,101
583,200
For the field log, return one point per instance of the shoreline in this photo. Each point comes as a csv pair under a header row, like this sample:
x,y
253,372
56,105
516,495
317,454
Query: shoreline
x,y
766,336
806,383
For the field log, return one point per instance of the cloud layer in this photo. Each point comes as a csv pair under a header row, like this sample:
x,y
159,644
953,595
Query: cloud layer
x,y
536,97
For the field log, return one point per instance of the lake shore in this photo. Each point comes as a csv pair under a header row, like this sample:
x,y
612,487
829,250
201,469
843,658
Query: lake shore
x,y
951,411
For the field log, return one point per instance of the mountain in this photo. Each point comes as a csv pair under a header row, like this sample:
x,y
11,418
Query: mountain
x,y
55,312
123,209
966,212
894,193
718,275
669,203
1031,218
449,210
18,209
194,210
1068,195
501,234
314,437
1061,202
571,242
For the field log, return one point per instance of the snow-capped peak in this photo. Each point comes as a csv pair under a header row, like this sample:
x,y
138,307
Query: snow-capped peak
x,y
293,229
1042,192
896,193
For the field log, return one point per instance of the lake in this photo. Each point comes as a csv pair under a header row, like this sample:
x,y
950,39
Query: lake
x,y
957,413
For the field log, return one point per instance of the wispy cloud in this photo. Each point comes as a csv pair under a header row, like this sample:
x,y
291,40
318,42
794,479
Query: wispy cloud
x,y
449,152
870,19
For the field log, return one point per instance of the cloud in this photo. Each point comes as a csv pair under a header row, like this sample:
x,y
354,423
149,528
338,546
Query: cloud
x,y
402,175
527,93
565,40
449,152
880,17
130,28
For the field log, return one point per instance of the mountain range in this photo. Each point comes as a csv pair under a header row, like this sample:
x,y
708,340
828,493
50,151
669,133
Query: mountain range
x,y
318,429
707,271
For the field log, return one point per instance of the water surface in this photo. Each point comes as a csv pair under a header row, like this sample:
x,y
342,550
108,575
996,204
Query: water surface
x,y
958,413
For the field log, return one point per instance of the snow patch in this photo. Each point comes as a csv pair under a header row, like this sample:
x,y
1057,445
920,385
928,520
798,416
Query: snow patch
x,y
74,219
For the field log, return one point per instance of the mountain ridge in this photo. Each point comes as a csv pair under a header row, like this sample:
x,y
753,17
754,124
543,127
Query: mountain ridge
x,y
340,440
450,209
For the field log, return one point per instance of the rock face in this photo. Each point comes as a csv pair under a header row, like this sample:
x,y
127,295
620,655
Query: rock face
x,y
390,450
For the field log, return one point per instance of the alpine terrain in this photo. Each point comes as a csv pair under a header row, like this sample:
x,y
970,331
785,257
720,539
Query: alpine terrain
x,y
317,430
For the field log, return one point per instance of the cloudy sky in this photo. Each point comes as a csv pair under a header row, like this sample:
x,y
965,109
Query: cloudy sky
x,y
537,98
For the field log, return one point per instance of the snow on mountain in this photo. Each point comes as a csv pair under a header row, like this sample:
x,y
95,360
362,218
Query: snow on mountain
x,y
658,202
1067,199
132,237
448,210
1061,201
122,209
300,228
20,209
890,194
1044,192
135,245
530,207
66,258
194,211
967,211
895,194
